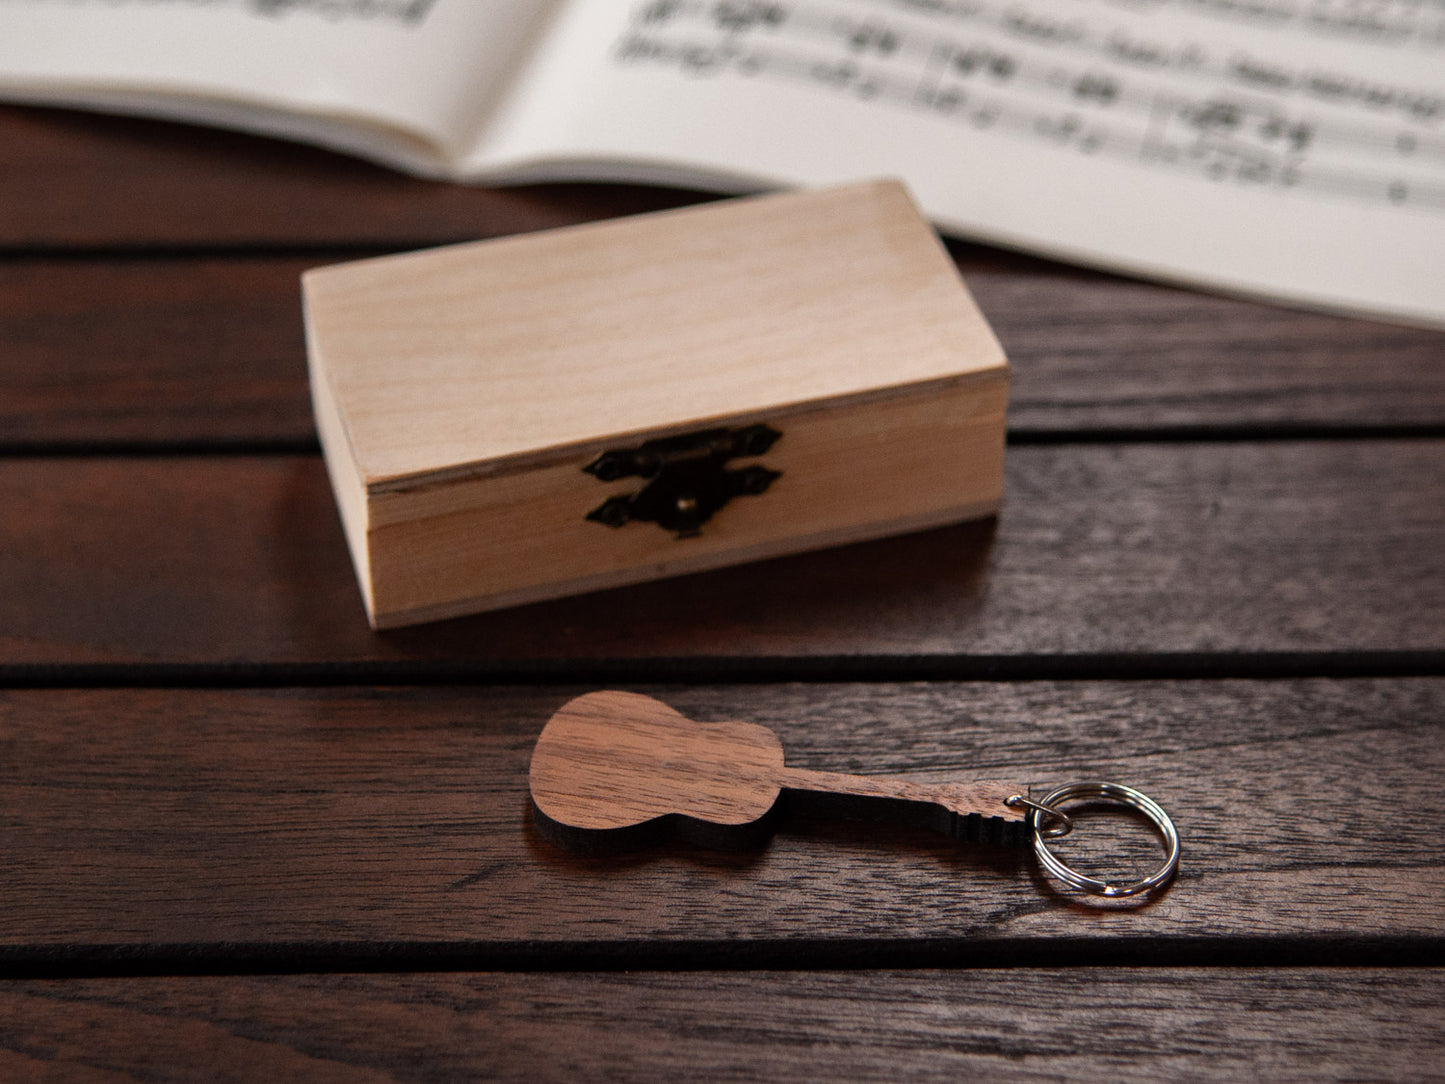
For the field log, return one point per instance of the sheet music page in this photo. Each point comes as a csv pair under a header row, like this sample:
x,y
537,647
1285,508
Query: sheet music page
x,y
404,80
1290,148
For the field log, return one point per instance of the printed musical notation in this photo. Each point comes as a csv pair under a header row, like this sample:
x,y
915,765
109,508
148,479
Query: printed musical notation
x,y
407,12
1390,22
1077,86
404,12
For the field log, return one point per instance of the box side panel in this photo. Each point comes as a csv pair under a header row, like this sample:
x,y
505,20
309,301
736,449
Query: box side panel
x,y
341,468
848,474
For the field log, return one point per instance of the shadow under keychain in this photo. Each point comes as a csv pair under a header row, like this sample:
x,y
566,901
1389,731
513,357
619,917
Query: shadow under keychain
x,y
615,769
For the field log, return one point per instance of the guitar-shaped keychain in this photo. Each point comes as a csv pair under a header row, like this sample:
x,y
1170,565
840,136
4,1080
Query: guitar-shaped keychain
x,y
615,769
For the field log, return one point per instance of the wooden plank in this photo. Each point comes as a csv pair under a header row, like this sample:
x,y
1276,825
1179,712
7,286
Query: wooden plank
x,y
1100,550
345,828
1094,353
1128,1025
91,182
117,350
177,350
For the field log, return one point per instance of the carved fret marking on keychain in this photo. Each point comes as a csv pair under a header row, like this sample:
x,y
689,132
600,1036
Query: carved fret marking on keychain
x,y
616,769
688,477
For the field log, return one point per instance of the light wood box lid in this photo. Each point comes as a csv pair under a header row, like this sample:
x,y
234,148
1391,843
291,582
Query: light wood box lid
x,y
510,353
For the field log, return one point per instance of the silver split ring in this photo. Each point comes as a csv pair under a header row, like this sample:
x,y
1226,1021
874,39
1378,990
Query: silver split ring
x,y
1121,795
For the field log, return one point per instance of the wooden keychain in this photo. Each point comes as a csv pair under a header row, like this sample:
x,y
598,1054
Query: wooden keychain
x,y
616,769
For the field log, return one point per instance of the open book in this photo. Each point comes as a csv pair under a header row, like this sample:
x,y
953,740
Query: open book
x,y
1291,149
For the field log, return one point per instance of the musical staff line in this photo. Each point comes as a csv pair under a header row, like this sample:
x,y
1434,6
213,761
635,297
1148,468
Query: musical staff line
x,y
403,12
1042,93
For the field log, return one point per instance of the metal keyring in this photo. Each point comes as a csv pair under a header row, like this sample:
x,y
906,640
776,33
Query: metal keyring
x,y
1111,792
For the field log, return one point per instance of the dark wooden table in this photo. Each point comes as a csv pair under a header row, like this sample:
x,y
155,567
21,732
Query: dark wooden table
x,y
244,836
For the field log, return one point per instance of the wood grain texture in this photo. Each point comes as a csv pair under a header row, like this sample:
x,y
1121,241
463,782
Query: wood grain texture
x,y
1025,1025
1308,810
176,350
613,760
149,297
1095,353
1143,548
444,549
93,182
504,352
159,351
461,390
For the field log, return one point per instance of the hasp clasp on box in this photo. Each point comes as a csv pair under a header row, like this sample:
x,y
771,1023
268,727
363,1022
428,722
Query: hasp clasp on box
x,y
689,477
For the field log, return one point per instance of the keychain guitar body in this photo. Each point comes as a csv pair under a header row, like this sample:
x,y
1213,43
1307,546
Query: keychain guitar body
x,y
616,769
628,767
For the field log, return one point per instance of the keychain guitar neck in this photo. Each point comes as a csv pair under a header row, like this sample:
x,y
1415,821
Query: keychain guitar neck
x,y
615,769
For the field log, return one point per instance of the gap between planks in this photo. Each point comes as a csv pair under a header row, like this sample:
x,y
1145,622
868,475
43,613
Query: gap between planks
x,y
1241,433
143,960
735,670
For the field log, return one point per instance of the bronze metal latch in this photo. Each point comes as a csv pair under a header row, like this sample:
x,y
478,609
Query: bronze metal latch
x,y
688,477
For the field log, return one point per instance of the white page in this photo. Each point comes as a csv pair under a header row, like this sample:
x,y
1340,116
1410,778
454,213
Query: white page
x,y
1288,148
405,80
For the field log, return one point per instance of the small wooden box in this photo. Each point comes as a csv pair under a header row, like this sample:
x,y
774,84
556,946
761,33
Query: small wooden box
x,y
513,420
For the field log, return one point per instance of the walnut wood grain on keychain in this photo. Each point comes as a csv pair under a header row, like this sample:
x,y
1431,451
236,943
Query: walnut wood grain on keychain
x,y
612,765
